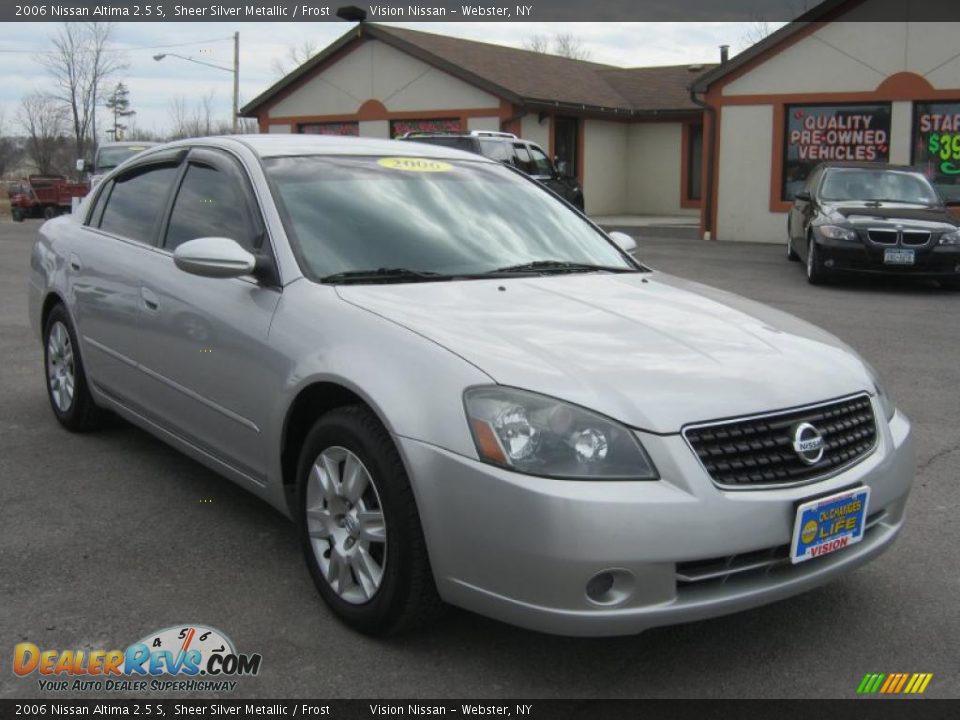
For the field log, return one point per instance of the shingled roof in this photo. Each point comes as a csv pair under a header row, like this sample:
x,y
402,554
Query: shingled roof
x,y
525,77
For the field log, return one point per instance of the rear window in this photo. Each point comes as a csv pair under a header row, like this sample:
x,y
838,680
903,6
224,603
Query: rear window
x,y
450,141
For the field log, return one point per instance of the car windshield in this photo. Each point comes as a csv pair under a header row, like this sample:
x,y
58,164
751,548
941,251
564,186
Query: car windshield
x,y
109,157
452,217
877,185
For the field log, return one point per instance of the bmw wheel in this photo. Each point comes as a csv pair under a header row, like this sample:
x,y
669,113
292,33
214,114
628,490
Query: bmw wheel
x,y
359,525
67,387
817,274
791,253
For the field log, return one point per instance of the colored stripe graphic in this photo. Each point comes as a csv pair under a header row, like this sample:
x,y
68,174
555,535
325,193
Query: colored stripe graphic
x,y
894,683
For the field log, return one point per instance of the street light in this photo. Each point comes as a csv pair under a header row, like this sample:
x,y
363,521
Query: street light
x,y
235,70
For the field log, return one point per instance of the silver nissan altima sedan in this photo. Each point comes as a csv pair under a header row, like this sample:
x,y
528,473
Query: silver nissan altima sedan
x,y
461,389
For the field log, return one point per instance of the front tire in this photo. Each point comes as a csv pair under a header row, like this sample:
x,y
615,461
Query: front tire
x,y
952,284
359,526
67,387
792,255
16,215
817,274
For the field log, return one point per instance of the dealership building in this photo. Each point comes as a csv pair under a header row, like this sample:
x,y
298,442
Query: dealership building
x,y
728,143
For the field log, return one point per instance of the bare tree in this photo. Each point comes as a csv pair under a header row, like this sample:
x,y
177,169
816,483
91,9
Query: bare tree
x,y
538,43
10,151
80,62
296,55
563,44
755,31
569,46
44,120
198,120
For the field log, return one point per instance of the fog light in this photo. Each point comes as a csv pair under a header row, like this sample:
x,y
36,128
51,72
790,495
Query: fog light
x,y
611,587
828,263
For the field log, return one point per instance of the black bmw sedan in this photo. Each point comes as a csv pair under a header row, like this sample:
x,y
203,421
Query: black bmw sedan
x,y
873,218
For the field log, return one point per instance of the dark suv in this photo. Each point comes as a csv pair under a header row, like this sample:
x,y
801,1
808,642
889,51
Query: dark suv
x,y
508,148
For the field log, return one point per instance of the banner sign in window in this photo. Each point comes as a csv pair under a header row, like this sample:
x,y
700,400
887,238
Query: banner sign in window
x,y
936,144
351,129
832,133
435,125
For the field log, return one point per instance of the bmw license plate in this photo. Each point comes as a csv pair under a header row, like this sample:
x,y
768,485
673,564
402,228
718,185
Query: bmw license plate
x,y
828,524
898,256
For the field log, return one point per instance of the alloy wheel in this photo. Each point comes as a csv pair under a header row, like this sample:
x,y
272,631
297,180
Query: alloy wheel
x,y
345,522
61,371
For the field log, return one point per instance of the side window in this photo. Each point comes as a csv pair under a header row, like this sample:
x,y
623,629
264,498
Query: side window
x,y
97,211
542,166
136,202
522,159
209,203
496,150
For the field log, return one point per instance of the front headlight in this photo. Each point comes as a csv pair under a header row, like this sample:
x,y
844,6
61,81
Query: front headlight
x,y
885,402
951,238
835,232
539,435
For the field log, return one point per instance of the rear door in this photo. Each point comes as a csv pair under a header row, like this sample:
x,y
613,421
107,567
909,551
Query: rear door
x,y
209,374
104,273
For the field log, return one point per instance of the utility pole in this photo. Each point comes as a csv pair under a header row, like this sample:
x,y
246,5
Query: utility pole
x,y
236,81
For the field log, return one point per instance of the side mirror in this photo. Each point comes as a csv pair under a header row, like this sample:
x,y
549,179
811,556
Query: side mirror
x,y
83,166
623,241
215,257
562,167
803,196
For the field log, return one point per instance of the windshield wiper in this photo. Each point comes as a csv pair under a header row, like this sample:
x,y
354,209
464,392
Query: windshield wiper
x,y
383,275
558,266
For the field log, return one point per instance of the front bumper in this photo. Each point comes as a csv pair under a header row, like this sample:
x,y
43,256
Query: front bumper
x,y
522,549
862,257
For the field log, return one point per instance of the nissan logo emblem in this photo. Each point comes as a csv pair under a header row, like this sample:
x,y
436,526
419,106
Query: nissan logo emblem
x,y
808,443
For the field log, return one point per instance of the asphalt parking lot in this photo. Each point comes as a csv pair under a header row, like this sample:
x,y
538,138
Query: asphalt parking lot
x,y
107,537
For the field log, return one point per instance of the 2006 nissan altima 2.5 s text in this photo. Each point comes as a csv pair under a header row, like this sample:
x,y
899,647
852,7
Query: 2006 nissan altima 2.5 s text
x,y
462,390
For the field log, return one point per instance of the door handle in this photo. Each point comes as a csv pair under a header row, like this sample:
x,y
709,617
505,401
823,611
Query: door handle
x,y
75,262
150,301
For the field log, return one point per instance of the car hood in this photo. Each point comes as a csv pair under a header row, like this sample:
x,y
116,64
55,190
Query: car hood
x,y
893,213
651,350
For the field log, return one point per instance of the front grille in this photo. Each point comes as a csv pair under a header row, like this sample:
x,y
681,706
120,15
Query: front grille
x,y
883,237
748,564
758,451
915,237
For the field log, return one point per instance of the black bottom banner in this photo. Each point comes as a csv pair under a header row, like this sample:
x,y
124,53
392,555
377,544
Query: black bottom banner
x,y
861,709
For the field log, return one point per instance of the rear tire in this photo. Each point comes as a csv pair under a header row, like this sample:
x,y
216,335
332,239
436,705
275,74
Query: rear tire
x,y
364,548
66,380
817,274
50,212
952,284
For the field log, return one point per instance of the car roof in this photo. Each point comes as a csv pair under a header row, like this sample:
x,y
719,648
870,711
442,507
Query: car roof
x,y
287,145
128,143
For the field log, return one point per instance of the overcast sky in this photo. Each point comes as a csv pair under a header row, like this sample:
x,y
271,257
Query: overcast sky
x,y
154,84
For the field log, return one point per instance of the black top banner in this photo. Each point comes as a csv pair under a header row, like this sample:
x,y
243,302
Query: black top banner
x,y
482,11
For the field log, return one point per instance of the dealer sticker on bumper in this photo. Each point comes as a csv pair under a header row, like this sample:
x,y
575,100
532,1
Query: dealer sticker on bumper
x,y
828,524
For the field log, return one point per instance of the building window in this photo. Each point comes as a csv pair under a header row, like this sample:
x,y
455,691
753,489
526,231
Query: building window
x,y
822,133
693,137
433,125
936,144
330,128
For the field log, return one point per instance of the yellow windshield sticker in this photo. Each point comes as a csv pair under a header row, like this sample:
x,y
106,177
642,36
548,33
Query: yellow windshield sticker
x,y
414,164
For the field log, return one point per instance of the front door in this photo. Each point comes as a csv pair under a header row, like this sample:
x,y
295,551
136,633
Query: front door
x,y
208,368
565,133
